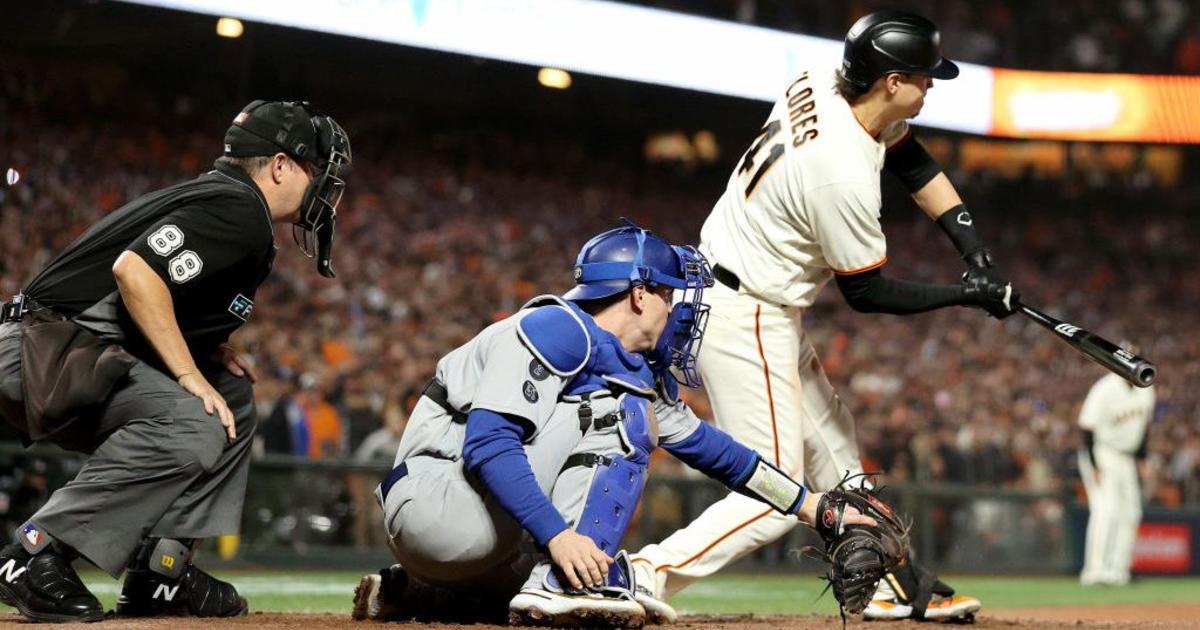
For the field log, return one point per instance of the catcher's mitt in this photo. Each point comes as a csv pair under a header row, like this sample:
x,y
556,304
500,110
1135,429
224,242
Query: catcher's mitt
x,y
859,556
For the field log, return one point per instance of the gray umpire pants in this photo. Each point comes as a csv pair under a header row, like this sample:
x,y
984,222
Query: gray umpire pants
x,y
158,465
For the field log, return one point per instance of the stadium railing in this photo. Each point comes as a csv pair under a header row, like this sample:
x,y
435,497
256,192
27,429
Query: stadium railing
x,y
306,513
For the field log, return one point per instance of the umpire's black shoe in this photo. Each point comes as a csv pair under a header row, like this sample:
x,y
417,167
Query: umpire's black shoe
x,y
147,593
45,587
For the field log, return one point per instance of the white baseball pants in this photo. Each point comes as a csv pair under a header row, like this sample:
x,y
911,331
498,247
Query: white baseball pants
x,y
1115,511
769,392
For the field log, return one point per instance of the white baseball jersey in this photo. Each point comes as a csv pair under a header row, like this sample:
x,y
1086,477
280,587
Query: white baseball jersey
x,y
1117,413
801,205
804,201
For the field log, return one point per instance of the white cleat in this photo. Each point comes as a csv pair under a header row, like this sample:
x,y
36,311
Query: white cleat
x,y
886,610
658,612
953,608
540,607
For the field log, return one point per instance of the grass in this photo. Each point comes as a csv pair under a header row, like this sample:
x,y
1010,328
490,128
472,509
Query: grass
x,y
790,594
332,592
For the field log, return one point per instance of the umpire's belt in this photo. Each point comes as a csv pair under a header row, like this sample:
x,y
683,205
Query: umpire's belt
x,y
726,277
436,392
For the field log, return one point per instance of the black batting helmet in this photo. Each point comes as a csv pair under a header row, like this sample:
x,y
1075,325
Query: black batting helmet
x,y
893,41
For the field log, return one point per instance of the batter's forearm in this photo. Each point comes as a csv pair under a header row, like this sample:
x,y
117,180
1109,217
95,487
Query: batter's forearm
x,y
937,196
872,292
150,305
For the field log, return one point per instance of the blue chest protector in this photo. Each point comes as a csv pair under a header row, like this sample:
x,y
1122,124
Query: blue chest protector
x,y
608,364
619,473
570,344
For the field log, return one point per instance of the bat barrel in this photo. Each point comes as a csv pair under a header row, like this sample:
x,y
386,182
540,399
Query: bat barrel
x,y
1120,361
1144,373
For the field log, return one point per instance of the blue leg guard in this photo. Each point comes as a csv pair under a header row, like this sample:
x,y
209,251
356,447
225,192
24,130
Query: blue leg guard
x,y
616,489
614,492
617,485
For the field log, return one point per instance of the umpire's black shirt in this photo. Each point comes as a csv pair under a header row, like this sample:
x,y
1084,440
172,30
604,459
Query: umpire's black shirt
x,y
211,240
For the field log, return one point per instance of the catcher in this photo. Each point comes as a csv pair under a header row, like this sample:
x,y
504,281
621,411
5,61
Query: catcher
x,y
525,458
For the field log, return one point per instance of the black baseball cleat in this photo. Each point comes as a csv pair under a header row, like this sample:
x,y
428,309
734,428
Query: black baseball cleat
x,y
394,595
194,594
162,582
45,587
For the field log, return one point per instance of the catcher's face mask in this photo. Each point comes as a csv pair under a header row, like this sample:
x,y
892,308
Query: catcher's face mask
x,y
679,343
618,259
309,137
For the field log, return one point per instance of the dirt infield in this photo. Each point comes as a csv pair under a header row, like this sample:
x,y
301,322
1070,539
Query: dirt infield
x,y
1115,617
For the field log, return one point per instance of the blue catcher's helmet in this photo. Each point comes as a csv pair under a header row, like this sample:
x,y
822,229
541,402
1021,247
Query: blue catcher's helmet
x,y
616,260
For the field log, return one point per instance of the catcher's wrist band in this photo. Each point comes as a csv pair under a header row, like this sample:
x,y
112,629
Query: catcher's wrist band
x,y
773,487
959,225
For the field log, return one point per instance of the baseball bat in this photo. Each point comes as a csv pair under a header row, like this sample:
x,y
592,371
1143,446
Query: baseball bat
x,y
1118,360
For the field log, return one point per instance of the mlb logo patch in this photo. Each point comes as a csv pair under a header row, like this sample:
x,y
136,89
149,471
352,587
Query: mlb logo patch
x,y
32,534
32,538
241,307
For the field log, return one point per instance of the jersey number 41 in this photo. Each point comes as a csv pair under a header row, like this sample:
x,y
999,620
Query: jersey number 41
x,y
760,164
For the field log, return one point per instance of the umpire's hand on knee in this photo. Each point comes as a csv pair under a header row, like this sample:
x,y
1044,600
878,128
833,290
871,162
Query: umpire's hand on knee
x,y
579,559
198,386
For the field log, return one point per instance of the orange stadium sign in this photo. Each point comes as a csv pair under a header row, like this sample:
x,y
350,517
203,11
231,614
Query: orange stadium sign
x,y
1107,107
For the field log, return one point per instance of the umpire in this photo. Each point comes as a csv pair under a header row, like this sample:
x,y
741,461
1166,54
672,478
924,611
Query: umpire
x,y
118,349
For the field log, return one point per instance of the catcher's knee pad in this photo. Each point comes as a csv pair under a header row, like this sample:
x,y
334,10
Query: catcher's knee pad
x,y
639,435
915,586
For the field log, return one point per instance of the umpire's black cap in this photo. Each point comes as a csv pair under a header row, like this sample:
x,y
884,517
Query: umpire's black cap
x,y
893,41
268,127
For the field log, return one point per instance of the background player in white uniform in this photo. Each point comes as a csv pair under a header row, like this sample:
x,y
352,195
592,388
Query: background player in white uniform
x,y
1113,418
802,207
542,424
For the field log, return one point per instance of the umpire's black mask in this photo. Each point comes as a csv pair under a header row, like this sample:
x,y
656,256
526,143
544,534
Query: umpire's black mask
x,y
310,137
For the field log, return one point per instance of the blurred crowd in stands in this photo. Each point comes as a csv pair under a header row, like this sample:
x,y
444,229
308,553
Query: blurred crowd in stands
x,y
442,233
1144,36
